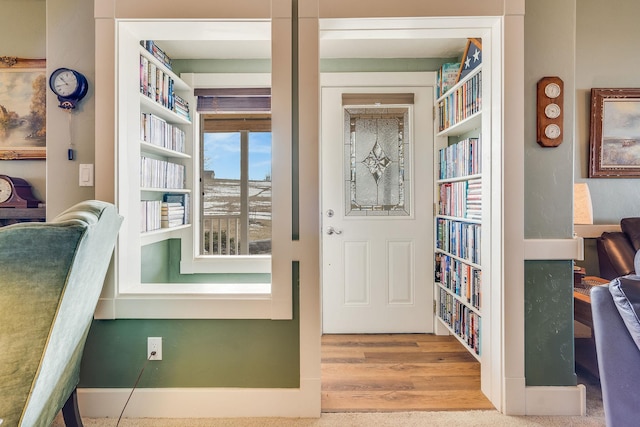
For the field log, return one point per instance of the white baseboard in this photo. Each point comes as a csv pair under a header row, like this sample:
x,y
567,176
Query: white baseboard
x,y
570,400
202,402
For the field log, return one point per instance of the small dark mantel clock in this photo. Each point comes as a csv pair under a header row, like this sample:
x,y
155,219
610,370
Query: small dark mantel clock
x,y
16,193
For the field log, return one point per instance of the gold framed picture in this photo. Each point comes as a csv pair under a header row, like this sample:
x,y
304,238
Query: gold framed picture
x,y
614,146
23,90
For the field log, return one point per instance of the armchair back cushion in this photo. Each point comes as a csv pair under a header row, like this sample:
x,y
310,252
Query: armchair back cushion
x,y
631,227
52,276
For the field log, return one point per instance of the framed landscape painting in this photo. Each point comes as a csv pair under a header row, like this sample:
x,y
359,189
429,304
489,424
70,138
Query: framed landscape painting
x,y
614,146
23,128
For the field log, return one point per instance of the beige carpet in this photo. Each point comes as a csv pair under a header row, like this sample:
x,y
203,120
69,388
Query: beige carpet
x,y
595,417
387,419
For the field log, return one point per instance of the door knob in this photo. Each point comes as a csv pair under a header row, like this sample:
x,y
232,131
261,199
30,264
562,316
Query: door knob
x,y
331,230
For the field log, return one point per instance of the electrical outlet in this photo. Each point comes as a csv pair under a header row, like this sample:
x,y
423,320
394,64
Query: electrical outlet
x,y
154,344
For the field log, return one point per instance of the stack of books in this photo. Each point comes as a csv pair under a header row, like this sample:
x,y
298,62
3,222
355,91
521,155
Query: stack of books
x,y
181,107
181,199
172,214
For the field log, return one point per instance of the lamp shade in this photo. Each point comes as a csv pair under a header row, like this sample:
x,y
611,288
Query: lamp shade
x,y
582,208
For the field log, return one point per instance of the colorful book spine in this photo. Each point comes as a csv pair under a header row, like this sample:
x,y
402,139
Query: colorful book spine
x,y
463,102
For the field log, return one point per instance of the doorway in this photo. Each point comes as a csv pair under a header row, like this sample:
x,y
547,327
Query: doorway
x,y
377,172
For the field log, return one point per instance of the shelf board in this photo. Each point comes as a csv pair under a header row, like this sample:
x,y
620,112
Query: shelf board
x,y
459,338
161,234
466,261
467,125
459,178
148,105
460,219
156,149
459,298
165,190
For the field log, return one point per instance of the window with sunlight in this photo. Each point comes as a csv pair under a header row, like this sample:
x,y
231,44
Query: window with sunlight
x,y
236,184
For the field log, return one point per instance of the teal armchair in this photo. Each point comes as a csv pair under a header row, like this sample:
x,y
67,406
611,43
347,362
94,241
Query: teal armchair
x,y
51,276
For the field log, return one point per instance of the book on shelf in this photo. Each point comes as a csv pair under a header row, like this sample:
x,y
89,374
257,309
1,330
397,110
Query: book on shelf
x,y
156,214
155,130
149,215
155,173
159,87
461,159
462,320
151,47
459,238
463,102
460,278
171,214
178,199
181,106
144,75
448,75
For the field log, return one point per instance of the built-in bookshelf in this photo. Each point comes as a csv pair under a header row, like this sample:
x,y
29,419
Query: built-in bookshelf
x,y
165,124
458,223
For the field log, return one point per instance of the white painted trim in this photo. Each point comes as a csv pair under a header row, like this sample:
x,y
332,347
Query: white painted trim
x,y
565,401
591,231
508,165
553,249
202,402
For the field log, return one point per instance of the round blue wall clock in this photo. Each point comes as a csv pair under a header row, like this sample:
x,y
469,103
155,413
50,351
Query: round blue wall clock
x,y
69,85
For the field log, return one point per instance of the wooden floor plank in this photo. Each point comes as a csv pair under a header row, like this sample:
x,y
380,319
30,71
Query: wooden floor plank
x,y
364,370
425,357
398,372
376,401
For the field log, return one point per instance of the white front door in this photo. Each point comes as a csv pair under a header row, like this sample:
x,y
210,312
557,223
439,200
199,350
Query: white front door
x,y
377,192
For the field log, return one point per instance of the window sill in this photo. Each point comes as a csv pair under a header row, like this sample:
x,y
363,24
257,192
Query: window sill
x,y
190,301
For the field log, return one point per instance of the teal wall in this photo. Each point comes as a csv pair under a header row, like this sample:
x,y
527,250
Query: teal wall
x,y
549,51
548,310
161,264
196,353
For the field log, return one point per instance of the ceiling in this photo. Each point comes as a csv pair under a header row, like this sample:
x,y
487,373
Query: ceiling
x,y
332,48
338,39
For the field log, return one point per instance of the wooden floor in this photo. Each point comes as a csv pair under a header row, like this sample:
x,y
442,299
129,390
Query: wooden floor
x,y
406,372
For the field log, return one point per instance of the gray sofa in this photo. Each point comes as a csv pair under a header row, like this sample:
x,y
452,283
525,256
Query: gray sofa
x,y
616,310
51,276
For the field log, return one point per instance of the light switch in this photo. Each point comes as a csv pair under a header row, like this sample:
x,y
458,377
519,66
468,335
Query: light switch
x,y
86,175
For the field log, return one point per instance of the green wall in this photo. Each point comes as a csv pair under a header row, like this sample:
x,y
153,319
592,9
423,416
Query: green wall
x,y
196,353
161,264
549,356
549,51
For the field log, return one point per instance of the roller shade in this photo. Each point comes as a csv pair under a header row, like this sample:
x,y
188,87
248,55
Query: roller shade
x,y
377,98
236,122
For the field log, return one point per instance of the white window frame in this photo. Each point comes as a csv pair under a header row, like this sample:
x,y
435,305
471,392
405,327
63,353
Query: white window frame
x,y
192,262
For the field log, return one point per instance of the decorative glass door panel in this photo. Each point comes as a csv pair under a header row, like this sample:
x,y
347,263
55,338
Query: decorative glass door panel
x,y
377,158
